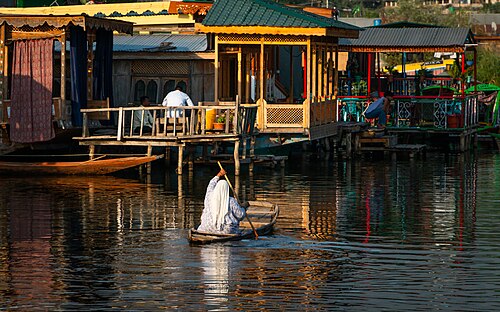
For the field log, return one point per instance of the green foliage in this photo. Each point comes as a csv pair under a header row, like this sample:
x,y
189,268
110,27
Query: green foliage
x,y
416,12
488,66
491,8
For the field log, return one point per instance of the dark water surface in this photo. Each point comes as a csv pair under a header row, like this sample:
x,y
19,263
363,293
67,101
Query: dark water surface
x,y
357,236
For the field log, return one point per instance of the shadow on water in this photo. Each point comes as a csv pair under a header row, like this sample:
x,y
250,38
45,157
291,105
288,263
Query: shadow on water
x,y
418,234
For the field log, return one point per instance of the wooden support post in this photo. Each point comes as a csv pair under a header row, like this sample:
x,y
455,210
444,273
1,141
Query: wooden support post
x,y
237,157
91,152
252,153
3,71
348,144
240,74
190,158
148,165
335,82
168,155
262,108
244,155
119,133
180,158
308,90
216,70
62,104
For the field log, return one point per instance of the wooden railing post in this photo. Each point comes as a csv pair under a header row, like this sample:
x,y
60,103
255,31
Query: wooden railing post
x,y
120,129
85,129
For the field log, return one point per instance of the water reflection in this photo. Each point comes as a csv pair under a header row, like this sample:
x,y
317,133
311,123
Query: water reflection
x,y
351,235
215,264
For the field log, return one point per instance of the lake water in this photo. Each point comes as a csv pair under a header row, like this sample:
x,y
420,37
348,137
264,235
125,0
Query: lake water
x,y
364,235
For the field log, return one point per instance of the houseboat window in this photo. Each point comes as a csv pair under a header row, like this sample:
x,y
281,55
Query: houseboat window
x,y
140,90
168,86
152,91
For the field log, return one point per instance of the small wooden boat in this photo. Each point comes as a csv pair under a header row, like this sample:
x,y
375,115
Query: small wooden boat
x,y
263,216
90,167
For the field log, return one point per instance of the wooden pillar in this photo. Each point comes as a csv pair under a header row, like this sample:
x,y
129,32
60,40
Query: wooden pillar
x,y
3,71
291,76
320,65
248,60
314,72
369,74
91,151
62,105
252,153
90,62
240,75
324,69
216,70
236,157
149,153
331,64
336,82
308,84
168,155
180,158
475,70
261,84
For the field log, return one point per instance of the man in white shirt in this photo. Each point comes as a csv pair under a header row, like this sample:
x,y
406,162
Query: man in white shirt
x,y
147,124
177,98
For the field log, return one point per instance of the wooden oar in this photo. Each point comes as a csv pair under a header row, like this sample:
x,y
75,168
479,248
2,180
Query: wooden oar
x,y
236,197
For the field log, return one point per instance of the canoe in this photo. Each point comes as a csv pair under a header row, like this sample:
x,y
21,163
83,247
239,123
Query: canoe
x,y
89,167
263,216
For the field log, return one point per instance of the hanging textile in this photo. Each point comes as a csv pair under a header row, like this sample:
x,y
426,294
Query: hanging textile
x,y
78,64
103,65
103,68
31,91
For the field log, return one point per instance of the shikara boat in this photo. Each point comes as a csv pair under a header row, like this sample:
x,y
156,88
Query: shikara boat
x,y
263,216
97,166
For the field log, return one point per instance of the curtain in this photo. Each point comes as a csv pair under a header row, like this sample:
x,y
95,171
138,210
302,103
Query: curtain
x,y
31,92
103,65
78,60
103,68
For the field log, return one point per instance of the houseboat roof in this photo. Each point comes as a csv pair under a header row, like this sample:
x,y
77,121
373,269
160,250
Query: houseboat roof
x,y
264,16
160,43
60,21
378,39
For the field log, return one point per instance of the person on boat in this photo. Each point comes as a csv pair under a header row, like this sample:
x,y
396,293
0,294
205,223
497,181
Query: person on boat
x,y
177,98
147,124
221,213
379,108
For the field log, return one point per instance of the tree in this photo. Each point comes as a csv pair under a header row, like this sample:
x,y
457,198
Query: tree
x,y
416,12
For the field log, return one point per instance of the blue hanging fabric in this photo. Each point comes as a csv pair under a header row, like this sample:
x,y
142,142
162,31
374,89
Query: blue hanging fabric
x,y
78,64
103,68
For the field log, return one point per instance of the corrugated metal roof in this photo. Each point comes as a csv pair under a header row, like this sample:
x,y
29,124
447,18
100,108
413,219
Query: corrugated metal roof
x,y
154,43
266,13
410,37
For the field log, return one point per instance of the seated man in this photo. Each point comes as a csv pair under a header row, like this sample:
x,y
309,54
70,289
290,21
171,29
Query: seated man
x,y
147,124
379,108
177,98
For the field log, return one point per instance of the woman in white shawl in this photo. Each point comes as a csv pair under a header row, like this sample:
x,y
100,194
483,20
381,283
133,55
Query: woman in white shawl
x,y
222,213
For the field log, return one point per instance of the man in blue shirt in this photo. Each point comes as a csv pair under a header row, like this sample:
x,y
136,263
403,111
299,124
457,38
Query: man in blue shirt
x,y
379,108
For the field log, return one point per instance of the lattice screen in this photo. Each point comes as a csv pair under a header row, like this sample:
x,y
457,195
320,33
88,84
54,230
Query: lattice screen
x,y
284,116
253,38
160,68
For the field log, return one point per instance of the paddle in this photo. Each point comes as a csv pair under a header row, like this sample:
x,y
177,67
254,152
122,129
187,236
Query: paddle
x,y
236,197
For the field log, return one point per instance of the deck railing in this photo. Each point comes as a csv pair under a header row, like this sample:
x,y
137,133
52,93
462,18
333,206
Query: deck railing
x,y
423,111
179,121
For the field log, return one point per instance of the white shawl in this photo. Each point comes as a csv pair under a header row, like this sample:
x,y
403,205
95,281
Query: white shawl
x,y
219,204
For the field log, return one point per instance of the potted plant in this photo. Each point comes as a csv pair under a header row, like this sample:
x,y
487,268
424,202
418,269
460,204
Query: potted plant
x,y
391,70
423,73
220,122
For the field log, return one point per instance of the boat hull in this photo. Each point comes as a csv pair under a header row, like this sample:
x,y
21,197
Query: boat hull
x,y
263,216
90,167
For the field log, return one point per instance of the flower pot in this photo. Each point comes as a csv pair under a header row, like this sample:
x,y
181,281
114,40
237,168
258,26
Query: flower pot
x,y
469,63
219,126
455,121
